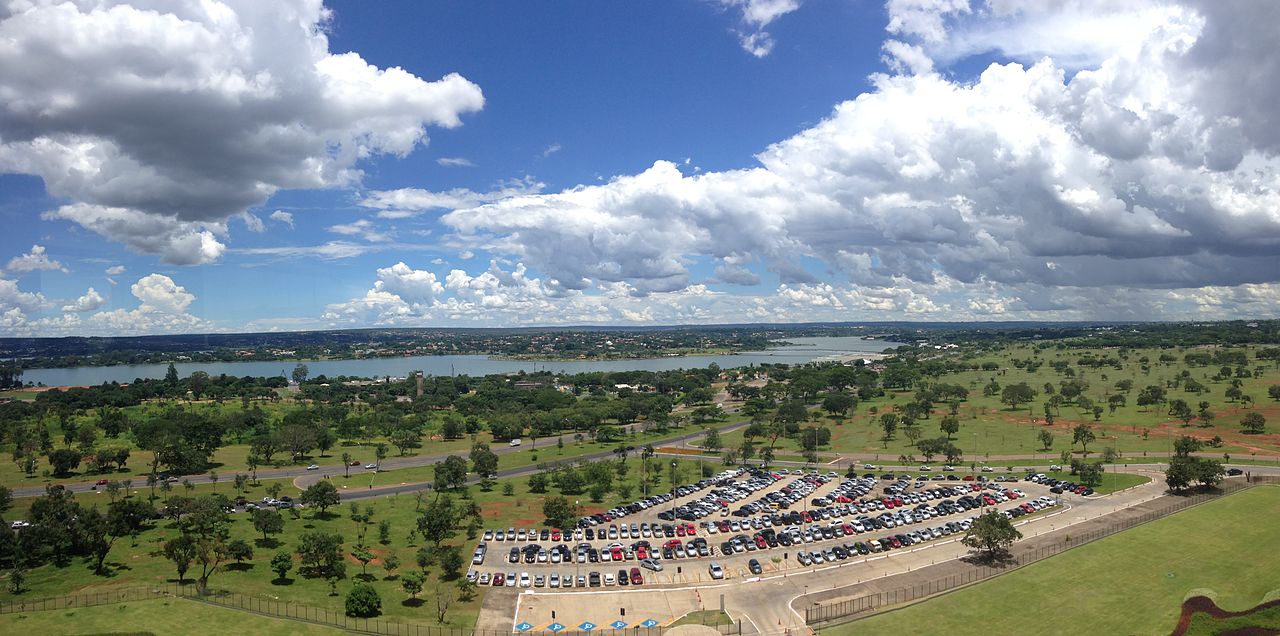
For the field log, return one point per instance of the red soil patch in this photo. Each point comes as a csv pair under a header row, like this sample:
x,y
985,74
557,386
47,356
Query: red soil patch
x,y
1205,605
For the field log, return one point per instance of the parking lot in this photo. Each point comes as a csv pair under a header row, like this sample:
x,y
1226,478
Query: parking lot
x,y
750,523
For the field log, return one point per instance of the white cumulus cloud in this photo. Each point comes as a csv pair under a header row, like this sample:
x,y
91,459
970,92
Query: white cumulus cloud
x,y
35,260
90,301
177,116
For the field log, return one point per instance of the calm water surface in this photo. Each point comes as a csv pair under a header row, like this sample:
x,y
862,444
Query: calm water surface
x,y
799,351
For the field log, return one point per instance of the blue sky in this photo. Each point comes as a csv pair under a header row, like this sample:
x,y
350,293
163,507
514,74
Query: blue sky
x,y
353,164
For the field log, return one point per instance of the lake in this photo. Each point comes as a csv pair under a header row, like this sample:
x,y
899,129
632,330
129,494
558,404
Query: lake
x,y
800,350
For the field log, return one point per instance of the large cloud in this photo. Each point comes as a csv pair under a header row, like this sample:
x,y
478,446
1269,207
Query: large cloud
x,y
176,116
32,261
1030,177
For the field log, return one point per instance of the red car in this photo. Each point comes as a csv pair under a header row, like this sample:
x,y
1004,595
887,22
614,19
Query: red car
x,y
968,477
555,535
690,529
642,552
100,482
354,462
680,531
636,579
499,579
616,554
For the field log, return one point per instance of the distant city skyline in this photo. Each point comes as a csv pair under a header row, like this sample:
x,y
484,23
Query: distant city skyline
x,y
295,165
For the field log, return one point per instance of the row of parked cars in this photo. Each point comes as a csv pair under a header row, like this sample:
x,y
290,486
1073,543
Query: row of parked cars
x,y
624,577
1059,486
644,530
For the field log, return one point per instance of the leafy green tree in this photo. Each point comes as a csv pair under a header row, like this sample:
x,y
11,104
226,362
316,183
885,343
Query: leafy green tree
x,y
484,460
1254,423
538,483
950,425
451,562
838,403
991,535
281,563
1083,434
1017,394
889,424
63,461
559,511
1046,439
320,554
412,584
240,550
440,520
181,551
363,601
322,494
268,521
450,473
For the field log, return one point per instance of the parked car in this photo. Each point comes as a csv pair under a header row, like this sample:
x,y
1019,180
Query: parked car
x,y
717,572
754,566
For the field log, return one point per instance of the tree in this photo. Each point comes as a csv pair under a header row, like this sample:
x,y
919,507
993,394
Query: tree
x,y
320,554
484,460
991,534
1091,474
364,556
439,520
450,559
889,424
1083,434
268,521
1046,439
838,403
1016,394
240,550
450,473
391,563
281,563
346,464
300,373
322,494
412,584
363,601
538,483
298,439
6,498
1114,401
1181,410
1273,391
559,511
63,461
379,453
181,550
711,441
950,425
1254,423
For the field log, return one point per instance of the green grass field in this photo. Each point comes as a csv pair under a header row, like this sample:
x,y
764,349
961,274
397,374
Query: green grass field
x,y
160,616
989,429
1131,583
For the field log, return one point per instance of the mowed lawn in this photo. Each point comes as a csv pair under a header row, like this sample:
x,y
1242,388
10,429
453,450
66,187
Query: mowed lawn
x,y
167,616
1131,583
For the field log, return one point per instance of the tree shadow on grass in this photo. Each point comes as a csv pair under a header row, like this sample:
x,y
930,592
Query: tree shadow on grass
x,y
269,544
999,559
279,581
239,567
412,602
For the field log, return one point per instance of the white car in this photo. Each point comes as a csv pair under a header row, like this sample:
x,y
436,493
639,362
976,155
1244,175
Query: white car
x,y
717,572
948,468
925,469
869,467
370,466
524,579
313,467
988,469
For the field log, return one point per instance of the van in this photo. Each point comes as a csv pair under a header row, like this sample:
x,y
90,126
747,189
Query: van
x,y
515,442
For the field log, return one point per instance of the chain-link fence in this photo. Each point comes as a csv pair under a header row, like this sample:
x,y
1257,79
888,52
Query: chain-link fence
x,y
852,608
293,611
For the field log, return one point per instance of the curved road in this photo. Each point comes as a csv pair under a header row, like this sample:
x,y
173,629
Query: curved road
x,y
303,477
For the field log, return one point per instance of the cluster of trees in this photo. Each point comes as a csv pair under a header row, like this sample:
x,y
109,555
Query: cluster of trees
x,y
1185,470
61,529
